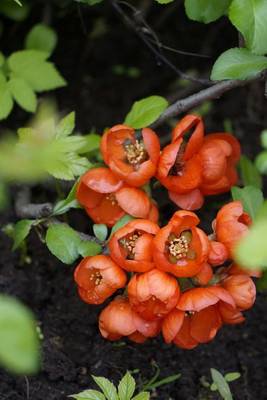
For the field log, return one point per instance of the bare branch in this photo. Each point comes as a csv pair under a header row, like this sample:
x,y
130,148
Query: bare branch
x,y
25,209
210,93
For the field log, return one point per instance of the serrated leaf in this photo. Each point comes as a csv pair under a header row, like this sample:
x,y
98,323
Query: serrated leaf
x,y
89,395
69,202
222,385
206,10
123,221
232,376
63,242
142,396
41,37
237,63
107,387
249,17
31,65
23,94
89,248
251,252
144,112
100,231
19,345
21,231
251,198
126,387
66,125
6,101
249,173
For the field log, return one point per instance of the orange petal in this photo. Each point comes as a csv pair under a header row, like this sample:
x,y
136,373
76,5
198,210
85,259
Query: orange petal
x,y
184,126
205,324
133,201
189,201
152,144
101,180
183,338
172,324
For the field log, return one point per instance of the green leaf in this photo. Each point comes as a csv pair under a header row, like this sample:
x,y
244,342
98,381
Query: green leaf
x,y
249,17
19,345
107,387
213,387
261,162
69,202
23,94
264,138
126,387
91,143
21,231
89,395
222,385
144,112
66,126
249,173
142,396
100,231
89,2
31,66
251,252
89,248
165,381
237,64
63,242
206,10
6,101
232,376
18,2
12,11
164,1
123,221
251,198
41,37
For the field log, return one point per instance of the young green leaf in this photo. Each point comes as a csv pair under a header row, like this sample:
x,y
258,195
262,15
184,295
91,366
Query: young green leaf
x,y
249,17
6,101
66,126
100,231
164,381
164,1
261,162
89,248
237,64
251,198
206,10
126,387
107,387
142,396
251,252
19,345
41,37
123,221
23,94
91,143
264,138
232,376
222,385
249,173
144,112
63,242
89,395
21,231
69,202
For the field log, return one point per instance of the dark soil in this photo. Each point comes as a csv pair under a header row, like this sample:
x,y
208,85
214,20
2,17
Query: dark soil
x,y
72,346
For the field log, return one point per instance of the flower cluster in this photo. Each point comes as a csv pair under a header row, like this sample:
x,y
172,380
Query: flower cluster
x,y
173,279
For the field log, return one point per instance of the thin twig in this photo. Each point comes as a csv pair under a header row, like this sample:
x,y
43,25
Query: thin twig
x,y
25,209
210,93
142,31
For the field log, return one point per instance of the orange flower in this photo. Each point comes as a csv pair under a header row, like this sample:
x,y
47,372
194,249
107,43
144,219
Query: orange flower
x,y
106,199
242,289
98,278
218,253
180,247
118,320
188,330
231,225
179,168
204,275
132,155
219,154
131,246
153,294
230,315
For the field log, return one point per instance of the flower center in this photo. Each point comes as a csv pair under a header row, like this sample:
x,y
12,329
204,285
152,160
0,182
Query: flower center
x,y
111,197
179,247
129,242
95,277
135,152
